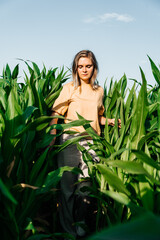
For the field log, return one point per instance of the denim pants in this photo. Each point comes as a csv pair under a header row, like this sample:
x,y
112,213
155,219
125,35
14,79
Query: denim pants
x,y
70,203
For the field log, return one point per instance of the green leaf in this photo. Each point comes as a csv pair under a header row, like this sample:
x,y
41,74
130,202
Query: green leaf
x,y
43,121
55,176
13,123
31,227
158,110
36,70
51,98
119,197
112,179
37,97
70,141
3,98
124,85
115,95
88,127
153,107
28,113
144,227
139,119
155,71
8,71
147,196
129,102
6,192
146,138
128,166
146,159
13,108
15,72
114,154
38,166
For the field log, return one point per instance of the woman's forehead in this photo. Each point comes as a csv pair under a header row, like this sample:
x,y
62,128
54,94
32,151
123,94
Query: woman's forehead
x,y
84,60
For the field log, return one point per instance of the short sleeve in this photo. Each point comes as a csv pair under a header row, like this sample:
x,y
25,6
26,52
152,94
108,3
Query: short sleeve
x,y
61,103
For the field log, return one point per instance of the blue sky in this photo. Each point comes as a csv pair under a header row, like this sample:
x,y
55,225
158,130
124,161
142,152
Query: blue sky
x,y
121,33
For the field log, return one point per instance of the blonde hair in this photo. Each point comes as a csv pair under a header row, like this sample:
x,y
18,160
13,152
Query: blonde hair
x,y
75,76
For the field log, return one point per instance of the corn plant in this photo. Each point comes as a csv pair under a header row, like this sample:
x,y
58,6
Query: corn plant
x,y
27,168
126,180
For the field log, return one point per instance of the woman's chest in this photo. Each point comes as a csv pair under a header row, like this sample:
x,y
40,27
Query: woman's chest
x,y
86,101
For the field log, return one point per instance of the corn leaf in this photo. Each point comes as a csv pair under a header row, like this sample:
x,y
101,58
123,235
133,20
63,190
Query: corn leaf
x,y
145,227
139,119
155,71
6,193
112,179
55,176
15,72
145,158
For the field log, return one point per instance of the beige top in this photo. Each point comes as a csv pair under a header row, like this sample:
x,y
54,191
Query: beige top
x,y
88,104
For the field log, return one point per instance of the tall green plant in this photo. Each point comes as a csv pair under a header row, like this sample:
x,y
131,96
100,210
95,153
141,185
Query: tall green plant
x,y
126,181
25,162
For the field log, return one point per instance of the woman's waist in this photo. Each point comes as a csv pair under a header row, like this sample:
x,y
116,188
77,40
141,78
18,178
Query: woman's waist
x,y
71,133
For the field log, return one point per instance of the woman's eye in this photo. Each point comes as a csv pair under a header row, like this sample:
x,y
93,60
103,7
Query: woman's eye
x,y
87,66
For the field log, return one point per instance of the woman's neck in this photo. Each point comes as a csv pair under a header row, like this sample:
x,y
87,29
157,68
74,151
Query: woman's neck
x,y
85,82
84,87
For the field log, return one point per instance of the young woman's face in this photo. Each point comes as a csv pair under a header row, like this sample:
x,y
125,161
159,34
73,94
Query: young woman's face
x,y
85,69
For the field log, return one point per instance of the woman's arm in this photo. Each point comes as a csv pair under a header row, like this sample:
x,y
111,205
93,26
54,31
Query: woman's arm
x,y
53,131
111,122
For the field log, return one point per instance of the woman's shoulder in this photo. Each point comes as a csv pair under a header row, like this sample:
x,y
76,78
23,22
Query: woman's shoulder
x,y
100,89
68,88
68,85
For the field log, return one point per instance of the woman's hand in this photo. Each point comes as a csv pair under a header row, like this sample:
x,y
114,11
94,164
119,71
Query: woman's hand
x,y
111,122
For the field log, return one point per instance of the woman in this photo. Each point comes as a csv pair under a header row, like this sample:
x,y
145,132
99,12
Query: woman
x,y
85,97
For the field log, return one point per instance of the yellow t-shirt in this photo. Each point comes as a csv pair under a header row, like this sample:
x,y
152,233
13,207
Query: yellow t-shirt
x,y
89,104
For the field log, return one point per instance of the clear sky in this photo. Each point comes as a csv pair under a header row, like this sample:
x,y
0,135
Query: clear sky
x,y
121,33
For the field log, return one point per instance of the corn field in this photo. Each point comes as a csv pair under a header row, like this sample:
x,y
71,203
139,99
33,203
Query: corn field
x,y
125,182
